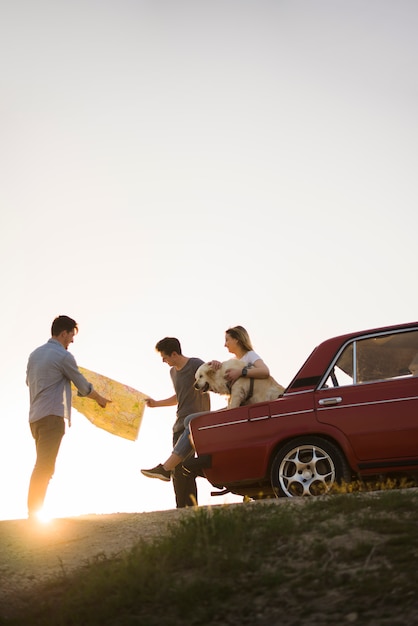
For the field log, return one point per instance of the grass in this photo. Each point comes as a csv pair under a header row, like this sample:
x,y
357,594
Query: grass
x,y
332,560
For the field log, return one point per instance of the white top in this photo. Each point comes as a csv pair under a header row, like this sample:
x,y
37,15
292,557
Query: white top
x,y
250,358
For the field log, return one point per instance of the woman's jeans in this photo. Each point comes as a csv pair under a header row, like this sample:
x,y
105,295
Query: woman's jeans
x,y
183,446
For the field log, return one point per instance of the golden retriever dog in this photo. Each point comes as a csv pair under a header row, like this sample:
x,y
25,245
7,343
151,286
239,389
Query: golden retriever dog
x,y
244,390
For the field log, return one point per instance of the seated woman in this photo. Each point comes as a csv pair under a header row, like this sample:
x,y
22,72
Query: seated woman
x,y
238,343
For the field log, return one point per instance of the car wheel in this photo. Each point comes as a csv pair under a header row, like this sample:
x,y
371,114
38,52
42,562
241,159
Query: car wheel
x,y
308,466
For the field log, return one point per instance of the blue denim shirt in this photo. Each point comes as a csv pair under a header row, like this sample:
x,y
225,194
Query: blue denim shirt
x,y
50,371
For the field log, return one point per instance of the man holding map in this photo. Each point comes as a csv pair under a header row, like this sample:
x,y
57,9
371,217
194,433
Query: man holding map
x,y
50,371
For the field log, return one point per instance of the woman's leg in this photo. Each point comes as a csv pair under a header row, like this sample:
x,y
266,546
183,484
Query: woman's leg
x,y
183,447
181,451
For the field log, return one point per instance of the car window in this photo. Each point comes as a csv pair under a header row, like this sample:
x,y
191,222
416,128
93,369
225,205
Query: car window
x,y
342,371
383,357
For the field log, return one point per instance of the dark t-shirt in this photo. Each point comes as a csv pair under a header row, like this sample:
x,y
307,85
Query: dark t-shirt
x,y
189,399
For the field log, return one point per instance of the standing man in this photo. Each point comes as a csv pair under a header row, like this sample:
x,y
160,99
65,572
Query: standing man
x,y
188,400
50,371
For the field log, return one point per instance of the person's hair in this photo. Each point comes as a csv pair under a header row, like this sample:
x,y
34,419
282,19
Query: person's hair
x,y
241,335
168,345
63,322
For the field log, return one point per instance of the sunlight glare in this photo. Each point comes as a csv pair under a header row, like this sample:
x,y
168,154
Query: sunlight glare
x,y
44,517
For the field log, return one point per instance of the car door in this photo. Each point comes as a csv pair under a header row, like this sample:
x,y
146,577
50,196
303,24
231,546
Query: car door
x,y
376,407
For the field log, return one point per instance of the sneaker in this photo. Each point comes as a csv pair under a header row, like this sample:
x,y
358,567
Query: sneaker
x,y
157,472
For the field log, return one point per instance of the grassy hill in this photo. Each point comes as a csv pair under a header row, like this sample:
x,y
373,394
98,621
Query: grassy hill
x,y
340,559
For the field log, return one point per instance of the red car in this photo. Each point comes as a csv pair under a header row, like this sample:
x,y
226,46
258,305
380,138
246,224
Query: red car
x,y
351,412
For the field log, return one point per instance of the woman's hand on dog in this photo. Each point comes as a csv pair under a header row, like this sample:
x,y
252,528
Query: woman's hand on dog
x,y
215,365
233,374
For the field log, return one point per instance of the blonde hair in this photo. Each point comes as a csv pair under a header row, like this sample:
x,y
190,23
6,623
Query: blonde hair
x,y
241,335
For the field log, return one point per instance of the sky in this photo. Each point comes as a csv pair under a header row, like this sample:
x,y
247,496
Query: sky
x,y
173,168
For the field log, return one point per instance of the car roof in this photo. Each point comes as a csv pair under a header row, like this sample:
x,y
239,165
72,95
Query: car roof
x,y
313,369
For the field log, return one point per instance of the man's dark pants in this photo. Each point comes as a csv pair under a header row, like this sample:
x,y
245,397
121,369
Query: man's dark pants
x,y
48,433
184,486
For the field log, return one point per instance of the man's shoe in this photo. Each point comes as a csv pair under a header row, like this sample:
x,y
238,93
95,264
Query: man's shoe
x,y
157,472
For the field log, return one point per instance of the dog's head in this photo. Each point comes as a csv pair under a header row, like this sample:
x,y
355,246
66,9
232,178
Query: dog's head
x,y
204,377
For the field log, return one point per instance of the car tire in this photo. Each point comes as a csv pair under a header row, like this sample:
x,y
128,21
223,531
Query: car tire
x,y
308,466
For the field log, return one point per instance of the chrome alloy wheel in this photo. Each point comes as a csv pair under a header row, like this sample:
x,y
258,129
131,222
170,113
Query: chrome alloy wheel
x,y
306,470
308,466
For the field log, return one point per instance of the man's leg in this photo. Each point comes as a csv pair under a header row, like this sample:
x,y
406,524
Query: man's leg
x,y
185,488
48,433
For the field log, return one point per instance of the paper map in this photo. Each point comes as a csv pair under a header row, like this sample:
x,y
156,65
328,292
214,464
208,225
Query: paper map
x,y
122,416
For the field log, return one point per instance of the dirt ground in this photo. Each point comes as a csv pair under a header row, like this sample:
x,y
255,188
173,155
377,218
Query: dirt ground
x,y
32,552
